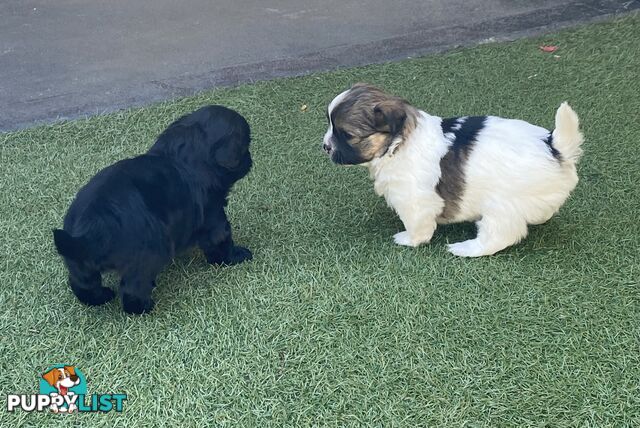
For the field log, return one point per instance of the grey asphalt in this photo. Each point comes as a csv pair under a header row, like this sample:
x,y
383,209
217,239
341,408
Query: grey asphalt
x,y
71,58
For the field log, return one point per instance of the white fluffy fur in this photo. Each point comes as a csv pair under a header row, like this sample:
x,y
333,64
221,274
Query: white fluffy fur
x,y
511,180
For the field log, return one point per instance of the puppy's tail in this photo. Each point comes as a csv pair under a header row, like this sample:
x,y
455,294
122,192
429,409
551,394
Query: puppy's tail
x,y
567,137
68,246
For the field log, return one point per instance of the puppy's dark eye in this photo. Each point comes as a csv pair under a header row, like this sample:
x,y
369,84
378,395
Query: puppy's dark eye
x,y
342,134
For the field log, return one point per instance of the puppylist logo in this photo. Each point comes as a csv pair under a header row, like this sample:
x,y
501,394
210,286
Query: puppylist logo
x,y
63,389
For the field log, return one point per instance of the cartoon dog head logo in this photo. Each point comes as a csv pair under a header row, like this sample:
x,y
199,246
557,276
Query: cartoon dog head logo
x,y
63,380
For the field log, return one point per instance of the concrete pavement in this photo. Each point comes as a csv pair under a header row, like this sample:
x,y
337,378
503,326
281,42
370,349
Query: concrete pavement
x,y
70,58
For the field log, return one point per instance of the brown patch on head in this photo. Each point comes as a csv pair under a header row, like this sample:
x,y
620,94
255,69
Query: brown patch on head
x,y
70,371
52,376
367,122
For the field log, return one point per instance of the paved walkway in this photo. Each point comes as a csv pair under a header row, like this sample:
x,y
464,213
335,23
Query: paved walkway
x,y
70,58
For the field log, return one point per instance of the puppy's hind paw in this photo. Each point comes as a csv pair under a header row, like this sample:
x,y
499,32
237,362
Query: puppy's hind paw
x,y
469,248
403,238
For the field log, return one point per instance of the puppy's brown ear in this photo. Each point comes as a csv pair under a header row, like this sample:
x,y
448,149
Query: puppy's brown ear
x,y
51,376
389,116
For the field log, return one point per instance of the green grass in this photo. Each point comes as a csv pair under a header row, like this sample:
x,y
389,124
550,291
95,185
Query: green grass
x,y
332,324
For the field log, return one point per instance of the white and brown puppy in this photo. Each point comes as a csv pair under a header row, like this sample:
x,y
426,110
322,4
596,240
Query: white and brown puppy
x,y
501,173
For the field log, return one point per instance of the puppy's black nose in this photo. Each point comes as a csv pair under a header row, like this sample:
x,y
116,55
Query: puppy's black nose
x,y
327,147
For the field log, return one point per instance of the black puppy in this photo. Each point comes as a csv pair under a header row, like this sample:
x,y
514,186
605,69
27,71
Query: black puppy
x,y
134,216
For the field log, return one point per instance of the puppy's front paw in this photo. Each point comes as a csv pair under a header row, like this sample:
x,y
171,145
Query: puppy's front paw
x,y
403,238
94,296
239,255
469,248
136,306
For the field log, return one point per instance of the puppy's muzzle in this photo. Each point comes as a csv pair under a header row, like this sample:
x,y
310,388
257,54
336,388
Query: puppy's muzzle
x,y
327,147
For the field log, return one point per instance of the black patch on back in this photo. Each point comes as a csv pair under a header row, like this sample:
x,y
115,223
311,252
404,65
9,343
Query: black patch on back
x,y
467,133
462,132
549,142
447,124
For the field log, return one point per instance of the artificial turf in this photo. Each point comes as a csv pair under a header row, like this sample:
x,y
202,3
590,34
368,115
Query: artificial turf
x,y
332,324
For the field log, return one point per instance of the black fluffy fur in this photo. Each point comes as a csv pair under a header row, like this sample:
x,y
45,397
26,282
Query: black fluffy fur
x,y
134,216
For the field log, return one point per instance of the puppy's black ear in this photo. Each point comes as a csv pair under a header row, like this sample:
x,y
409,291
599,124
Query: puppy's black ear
x,y
68,246
390,116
